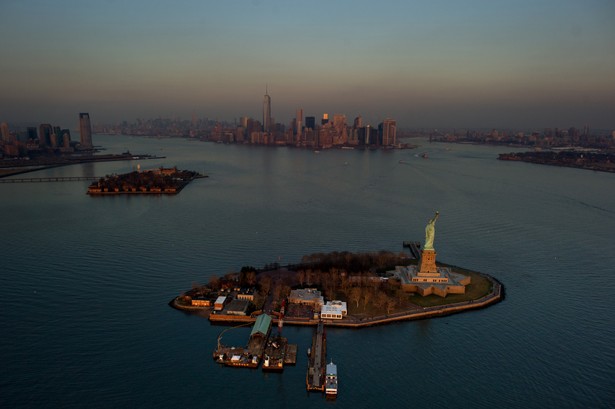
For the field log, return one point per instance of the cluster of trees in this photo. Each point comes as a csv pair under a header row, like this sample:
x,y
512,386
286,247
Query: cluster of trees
x,y
146,179
376,262
356,278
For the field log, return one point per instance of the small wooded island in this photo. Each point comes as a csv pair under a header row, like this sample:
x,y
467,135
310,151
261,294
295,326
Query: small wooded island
x,y
168,181
341,288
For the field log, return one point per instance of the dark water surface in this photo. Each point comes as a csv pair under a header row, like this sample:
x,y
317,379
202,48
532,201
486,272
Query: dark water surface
x,y
84,282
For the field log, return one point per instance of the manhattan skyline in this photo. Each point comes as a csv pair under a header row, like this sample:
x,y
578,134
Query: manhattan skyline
x,y
478,64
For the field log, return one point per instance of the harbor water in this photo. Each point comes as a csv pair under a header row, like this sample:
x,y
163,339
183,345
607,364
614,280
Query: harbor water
x,y
85,281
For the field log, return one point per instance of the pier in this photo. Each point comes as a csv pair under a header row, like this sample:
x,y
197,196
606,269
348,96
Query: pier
x,y
51,179
315,377
413,246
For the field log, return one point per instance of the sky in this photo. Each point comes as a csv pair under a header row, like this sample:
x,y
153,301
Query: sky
x,y
439,63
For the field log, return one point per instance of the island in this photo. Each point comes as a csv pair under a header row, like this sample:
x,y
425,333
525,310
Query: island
x,y
341,289
168,181
590,159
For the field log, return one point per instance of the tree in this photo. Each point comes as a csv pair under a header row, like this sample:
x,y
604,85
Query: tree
x,y
355,295
367,296
214,283
265,283
381,299
391,303
301,276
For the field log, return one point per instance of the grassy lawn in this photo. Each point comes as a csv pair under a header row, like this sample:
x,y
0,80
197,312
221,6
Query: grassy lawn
x,y
479,287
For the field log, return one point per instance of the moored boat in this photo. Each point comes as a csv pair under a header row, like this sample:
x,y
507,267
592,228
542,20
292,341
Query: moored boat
x,y
331,380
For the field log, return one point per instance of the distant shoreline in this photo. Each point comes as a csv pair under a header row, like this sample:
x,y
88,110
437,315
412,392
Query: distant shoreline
x,y
9,167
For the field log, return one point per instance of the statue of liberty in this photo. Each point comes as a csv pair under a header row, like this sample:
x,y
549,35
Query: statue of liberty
x,y
430,232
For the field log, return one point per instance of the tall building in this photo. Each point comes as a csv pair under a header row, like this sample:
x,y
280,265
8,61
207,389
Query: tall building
x,y
310,122
6,135
325,118
44,135
389,132
85,130
299,121
266,112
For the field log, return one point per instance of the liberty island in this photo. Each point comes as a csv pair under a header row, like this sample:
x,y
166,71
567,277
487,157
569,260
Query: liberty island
x,y
384,283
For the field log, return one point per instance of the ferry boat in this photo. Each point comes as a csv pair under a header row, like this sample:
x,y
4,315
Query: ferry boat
x,y
331,380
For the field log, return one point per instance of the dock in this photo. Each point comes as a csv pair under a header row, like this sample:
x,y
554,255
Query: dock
x,y
315,377
250,356
413,246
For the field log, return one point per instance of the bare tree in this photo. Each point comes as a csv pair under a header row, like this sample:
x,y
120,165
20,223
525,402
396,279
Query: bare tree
x,y
301,276
265,283
381,299
368,294
355,295
214,283
391,303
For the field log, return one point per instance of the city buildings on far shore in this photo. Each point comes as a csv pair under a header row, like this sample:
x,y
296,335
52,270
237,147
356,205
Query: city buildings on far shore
x,y
45,139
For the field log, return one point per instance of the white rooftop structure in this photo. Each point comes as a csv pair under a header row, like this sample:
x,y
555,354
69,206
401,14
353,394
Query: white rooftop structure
x,y
334,310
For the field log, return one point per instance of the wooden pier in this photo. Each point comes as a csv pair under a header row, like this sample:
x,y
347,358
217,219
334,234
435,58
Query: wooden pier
x,y
315,377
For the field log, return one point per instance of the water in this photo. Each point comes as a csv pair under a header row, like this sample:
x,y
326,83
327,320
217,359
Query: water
x,y
85,281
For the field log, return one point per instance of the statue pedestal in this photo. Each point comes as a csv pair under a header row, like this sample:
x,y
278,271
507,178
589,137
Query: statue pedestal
x,y
428,264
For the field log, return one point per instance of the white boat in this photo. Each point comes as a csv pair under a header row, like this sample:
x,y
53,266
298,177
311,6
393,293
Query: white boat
x,y
331,380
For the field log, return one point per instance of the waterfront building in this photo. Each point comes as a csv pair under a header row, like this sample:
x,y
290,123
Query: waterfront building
x,y
334,310
307,296
266,112
85,130
220,303
200,302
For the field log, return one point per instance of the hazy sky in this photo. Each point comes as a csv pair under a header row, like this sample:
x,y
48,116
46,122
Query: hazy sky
x,y
437,63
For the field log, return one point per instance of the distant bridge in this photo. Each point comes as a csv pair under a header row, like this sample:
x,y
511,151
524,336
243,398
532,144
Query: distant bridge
x,y
50,179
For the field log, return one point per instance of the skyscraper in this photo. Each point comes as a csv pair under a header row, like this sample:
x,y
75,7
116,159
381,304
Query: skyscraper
x,y
389,132
44,135
310,122
85,130
6,136
266,112
299,122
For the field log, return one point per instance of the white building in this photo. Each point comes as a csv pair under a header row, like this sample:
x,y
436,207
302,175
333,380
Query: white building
x,y
333,310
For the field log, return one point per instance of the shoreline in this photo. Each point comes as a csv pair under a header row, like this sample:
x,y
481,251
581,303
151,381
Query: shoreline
x,y
495,296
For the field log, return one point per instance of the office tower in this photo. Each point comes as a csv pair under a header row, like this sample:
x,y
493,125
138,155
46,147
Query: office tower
x,y
266,112
389,132
85,130
325,118
31,131
44,135
310,122
299,121
358,122
6,135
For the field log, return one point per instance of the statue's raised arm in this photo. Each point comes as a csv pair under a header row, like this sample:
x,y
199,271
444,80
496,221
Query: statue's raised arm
x,y
430,232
